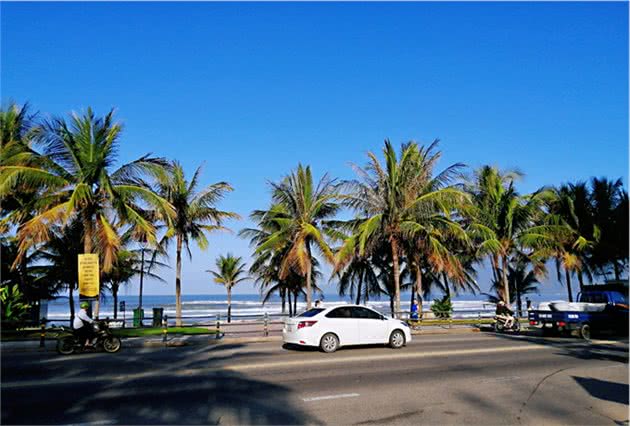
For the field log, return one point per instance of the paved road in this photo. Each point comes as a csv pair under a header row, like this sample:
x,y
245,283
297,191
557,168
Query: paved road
x,y
475,378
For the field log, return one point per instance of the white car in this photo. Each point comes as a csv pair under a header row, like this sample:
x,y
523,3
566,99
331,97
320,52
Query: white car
x,y
331,328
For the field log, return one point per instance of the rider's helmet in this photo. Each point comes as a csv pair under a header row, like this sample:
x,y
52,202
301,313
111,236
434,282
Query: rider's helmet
x,y
85,305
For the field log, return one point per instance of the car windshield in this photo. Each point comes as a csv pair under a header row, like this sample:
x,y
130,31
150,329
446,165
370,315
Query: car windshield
x,y
311,312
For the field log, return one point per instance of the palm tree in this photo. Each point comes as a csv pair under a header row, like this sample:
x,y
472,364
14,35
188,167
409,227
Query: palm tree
x,y
570,241
521,281
400,202
609,203
304,207
502,222
18,126
230,271
75,171
195,215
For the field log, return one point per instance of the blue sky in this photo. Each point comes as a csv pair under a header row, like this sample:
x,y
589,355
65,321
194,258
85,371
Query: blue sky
x,y
251,89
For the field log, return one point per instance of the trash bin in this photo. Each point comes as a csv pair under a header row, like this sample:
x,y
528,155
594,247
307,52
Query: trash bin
x,y
138,316
158,313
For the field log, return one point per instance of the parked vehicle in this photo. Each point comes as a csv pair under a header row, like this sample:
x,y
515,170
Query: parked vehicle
x,y
69,343
600,308
346,325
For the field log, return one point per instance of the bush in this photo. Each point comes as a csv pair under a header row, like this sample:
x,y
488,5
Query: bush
x,y
13,308
442,308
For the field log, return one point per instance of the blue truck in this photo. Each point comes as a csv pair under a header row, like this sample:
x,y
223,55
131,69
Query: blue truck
x,y
611,319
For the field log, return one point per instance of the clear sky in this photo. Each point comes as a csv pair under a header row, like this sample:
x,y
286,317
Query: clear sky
x,y
251,89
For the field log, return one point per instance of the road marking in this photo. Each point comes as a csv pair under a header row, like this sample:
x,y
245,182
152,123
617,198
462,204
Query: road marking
x,y
401,356
500,379
321,398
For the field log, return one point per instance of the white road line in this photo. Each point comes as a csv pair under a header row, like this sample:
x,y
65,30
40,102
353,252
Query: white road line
x,y
387,357
500,379
321,398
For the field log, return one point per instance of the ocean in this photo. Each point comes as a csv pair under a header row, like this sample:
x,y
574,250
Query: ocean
x,y
205,307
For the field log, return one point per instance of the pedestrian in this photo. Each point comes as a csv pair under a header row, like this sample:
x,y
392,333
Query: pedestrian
x,y
414,310
319,304
529,303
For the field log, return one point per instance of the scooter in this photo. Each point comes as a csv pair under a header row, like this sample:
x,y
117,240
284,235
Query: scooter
x,y
69,343
501,322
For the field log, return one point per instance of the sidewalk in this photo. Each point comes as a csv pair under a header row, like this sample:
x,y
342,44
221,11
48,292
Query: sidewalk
x,y
230,333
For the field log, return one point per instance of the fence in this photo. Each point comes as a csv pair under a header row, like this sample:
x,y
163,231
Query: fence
x,y
263,325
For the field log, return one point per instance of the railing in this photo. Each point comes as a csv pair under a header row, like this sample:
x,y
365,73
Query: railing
x,y
263,324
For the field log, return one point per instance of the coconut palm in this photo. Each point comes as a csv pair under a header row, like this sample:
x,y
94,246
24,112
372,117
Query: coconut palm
x,y
300,228
609,203
18,126
502,222
400,201
230,271
195,215
75,174
522,281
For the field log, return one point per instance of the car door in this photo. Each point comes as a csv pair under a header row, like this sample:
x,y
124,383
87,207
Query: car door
x,y
372,327
341,322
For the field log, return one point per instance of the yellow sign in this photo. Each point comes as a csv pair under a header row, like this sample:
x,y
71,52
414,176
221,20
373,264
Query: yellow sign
x,y
88,275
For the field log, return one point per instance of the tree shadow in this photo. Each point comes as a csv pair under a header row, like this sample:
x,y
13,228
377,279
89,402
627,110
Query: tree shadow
x,y
576,348
167,387
604,389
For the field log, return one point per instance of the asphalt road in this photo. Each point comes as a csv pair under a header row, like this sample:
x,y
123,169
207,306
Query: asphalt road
x,y
475,378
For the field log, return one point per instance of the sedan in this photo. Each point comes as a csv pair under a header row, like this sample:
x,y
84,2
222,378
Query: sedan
x,y
331,328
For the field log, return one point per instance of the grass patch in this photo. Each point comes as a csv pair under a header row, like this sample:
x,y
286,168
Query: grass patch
x,y
52,333
149,331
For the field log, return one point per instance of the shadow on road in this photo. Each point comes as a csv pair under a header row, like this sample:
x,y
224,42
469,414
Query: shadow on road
x,y
573,347
604,389
155,387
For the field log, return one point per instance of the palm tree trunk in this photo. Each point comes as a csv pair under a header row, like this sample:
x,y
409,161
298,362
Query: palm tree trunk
x,y
447,289
360,284
115,296
419,289
308,285
71,302
617,271
391,304
283,297
581,281
519,304
290,305
229,294
567,275
295,298
396,268
178,283
506,286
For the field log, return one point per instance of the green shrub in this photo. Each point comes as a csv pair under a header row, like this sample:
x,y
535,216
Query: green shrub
x,y
442,308
13,308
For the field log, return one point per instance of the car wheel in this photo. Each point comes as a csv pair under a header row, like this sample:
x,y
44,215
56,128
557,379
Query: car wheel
x,y
585,332
397,339
329,343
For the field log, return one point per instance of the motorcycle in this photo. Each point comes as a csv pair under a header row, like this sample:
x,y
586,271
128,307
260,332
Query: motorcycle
x,y
103,340
500,325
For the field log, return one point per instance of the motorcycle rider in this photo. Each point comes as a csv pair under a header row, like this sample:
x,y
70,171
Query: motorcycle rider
x,y
83,325
505,314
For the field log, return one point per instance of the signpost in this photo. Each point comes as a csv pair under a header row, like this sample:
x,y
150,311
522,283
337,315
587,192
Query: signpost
x,y
89,275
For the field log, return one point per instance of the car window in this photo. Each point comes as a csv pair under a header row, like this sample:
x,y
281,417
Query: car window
x,y
364,313
339,313
594,298
311,312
